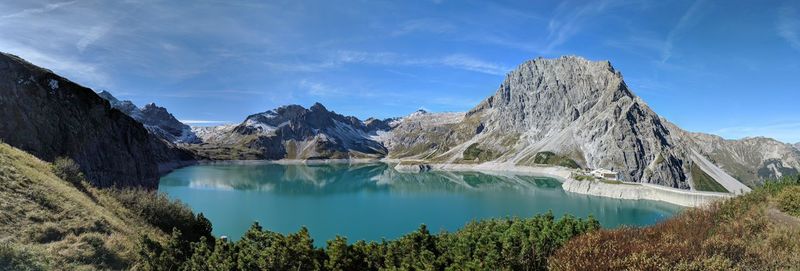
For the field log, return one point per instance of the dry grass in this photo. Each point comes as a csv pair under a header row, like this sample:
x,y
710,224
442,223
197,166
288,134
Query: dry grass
x,y
62,224
737,234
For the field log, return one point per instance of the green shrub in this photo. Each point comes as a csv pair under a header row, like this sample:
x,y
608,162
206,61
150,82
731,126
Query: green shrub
x,y
66,169
550,158
473,152
789,200
161,212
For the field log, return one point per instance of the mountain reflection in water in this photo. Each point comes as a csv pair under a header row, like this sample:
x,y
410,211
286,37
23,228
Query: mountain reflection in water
x,y
372,201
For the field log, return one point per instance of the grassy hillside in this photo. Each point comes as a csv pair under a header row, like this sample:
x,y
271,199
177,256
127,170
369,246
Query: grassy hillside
x,y
756,231
550,158
47,222
704,182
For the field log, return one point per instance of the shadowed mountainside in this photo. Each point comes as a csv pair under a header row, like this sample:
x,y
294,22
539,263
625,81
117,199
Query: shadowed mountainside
x,y
50,116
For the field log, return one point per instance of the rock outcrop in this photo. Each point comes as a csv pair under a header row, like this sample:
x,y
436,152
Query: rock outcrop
x,y
49,116
156,119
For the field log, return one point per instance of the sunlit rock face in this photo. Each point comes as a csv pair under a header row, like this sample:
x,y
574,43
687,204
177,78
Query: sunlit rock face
x,y
583,110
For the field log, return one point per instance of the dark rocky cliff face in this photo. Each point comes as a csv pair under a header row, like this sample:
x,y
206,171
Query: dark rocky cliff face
x,y
50,116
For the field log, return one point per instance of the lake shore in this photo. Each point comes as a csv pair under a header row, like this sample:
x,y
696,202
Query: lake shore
x,y
618,190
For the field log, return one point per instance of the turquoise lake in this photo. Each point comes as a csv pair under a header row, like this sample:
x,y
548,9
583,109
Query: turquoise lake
x,y
373,201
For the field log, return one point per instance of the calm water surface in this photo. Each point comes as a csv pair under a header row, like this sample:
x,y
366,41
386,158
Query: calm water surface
x,y
373,201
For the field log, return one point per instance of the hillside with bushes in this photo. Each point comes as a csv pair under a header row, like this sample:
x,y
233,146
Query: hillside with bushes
x,y
51,218
756,231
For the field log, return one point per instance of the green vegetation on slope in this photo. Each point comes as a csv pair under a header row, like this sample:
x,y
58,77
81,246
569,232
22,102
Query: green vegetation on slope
x,y
50,218
748,232
474,153
502,244
703,182
550,158
789,200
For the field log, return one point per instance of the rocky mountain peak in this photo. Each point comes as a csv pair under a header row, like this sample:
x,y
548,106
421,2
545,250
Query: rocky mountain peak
x,y
318,107
560,90
374,125
156,119
108,96
417,113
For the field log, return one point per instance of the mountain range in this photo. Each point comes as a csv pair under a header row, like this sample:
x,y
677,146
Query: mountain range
x,y
565,111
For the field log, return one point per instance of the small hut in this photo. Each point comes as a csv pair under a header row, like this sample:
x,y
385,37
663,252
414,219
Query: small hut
x,y
605,174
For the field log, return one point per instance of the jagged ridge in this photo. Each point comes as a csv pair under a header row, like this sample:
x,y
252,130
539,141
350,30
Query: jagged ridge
x,y
156,119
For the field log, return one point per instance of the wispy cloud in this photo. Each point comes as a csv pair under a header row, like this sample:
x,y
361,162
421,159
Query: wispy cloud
x,y
95,33
789,26
319,89
469,63
39,10
341,58
686,21
569,19
82,71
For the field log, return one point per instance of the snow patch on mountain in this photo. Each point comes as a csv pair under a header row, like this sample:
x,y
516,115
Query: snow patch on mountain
x,y
157,120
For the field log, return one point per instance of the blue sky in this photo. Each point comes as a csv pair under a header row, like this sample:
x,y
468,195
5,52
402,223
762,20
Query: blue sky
x,y
726,67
